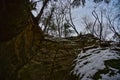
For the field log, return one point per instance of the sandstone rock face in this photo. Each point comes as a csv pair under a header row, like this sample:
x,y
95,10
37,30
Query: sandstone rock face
x,y
19,37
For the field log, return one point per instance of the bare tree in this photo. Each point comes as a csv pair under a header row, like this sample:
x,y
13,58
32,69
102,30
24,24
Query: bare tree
x,y
99,20
88,24
67,31
60,12
70,20
98,25
114,18
48,20
114,28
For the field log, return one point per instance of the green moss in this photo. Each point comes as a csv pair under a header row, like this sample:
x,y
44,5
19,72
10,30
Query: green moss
x,y
97,75
113,63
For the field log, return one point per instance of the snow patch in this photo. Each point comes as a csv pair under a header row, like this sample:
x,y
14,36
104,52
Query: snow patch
x,y
87,64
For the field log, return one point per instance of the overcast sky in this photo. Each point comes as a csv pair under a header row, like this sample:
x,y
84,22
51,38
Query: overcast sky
x,y
78,13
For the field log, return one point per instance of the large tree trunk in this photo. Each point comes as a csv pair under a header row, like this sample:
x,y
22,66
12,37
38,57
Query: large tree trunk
x,y
19,37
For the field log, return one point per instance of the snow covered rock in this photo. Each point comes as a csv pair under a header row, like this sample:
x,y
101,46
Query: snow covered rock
x,y
94,63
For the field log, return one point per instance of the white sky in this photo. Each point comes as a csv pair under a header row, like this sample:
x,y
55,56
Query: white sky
x,y
78,13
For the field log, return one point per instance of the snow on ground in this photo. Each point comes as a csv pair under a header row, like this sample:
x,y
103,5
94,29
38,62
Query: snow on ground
x,y
87,64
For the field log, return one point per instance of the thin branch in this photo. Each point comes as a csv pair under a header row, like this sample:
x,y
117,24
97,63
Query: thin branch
x,y
72,24
41,11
